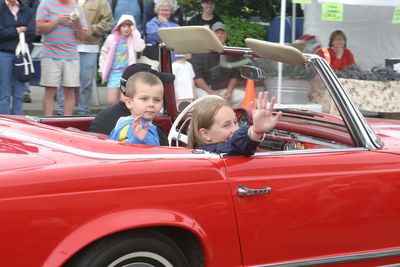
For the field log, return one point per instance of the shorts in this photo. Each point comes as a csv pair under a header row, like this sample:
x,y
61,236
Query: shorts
x,y
59,72
114,79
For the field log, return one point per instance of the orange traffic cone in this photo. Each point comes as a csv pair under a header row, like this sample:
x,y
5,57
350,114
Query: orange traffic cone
x,y
249,95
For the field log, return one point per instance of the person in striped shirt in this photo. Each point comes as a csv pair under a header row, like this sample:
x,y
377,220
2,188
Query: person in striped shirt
x,y
62,23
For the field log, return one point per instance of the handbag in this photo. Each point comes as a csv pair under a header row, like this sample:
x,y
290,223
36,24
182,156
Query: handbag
x,y
23,65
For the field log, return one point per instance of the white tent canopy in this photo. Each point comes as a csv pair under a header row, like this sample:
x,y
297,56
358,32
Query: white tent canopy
x,y
371,36
364,2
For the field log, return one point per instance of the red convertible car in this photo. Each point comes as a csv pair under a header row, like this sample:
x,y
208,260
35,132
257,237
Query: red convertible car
x,y
323,187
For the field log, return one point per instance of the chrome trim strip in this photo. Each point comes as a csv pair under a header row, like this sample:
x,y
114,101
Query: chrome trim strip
x,y
104,156
336,259
308,151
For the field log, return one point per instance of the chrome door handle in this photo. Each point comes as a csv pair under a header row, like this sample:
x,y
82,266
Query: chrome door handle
x,y
244,191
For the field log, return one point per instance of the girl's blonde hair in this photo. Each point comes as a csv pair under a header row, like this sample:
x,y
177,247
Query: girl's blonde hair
x,y
203,117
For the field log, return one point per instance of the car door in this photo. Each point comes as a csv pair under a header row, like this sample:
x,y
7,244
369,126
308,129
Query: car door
x,y
323,207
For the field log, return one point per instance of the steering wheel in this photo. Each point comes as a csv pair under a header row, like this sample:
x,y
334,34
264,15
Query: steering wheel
x,y
176,134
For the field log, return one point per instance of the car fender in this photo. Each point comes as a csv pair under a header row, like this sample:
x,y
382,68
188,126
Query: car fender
x,y
121,221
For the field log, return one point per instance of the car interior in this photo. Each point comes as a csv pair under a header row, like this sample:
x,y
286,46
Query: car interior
x,y
310,118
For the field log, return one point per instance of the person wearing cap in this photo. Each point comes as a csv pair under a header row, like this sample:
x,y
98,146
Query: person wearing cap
x,y
105,120
207,16
212,78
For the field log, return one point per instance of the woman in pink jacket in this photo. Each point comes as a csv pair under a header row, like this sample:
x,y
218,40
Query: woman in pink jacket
x,y
118,52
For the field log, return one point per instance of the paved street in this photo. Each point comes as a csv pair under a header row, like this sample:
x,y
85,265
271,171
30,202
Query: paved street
x,y
99,100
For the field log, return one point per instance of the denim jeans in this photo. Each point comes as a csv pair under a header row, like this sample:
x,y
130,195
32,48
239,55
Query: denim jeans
x,y
27,91
88,66
11,90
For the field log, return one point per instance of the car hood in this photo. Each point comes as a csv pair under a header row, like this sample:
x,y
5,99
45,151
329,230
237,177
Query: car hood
x,y
17,155
388,130
30,144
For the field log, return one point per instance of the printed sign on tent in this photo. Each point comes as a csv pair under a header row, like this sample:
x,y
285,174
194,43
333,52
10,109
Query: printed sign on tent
x,y
332,12
396,15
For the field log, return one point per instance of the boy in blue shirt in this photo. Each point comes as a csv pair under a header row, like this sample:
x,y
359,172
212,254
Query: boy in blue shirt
x,y
144,98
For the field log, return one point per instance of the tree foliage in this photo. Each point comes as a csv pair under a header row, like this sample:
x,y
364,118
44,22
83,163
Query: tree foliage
x,y
240,29
264,10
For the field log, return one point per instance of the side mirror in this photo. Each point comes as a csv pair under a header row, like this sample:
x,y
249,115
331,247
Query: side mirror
x,y
251,73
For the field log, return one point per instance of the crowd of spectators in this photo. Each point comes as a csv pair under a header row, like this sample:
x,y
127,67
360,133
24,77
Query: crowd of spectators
x,y
82,39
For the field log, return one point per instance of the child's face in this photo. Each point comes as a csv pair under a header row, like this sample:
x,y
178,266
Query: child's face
x,y
126,30
224,125
147,101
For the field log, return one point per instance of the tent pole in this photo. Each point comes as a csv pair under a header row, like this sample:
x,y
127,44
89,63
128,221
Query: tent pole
x,y
281,41
293,22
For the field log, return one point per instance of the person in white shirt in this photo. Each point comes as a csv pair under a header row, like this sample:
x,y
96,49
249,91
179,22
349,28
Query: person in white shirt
x,y
184,81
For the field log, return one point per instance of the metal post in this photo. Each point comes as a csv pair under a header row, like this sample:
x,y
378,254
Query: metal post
x,y
281,41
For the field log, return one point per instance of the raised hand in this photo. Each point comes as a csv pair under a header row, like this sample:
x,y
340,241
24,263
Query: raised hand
x,y
63,19
263,119
162,19
139,131
74,14
228,94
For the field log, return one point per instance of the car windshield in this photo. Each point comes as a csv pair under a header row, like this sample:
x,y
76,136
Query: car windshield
x,y
299,90
301,95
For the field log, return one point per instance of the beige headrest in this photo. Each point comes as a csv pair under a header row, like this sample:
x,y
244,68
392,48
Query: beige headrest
x,y
277,52
190,39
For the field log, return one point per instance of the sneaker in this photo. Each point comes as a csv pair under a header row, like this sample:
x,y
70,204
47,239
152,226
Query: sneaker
x,y
27,99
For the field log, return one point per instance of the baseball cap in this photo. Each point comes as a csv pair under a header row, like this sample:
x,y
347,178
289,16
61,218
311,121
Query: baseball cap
x,y
138,67
218,26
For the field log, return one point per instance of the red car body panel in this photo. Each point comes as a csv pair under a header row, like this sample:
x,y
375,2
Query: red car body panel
x,y
332,199
103,198
340,194
389,130
98,200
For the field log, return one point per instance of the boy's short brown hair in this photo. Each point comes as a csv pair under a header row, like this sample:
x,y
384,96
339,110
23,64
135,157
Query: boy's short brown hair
x,y
141,77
